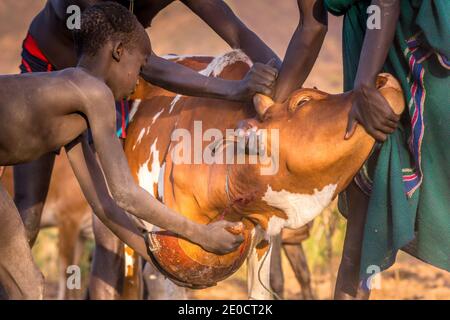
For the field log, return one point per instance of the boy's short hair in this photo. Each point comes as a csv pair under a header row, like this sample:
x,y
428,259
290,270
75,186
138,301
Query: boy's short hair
x,y
107,21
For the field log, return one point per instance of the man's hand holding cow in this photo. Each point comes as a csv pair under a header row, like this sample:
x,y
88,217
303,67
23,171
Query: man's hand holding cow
x,y
369,108
261,78
373,112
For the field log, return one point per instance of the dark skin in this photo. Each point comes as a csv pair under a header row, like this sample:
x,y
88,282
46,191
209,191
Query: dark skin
x,y
55,40
51,110
303,48
372,111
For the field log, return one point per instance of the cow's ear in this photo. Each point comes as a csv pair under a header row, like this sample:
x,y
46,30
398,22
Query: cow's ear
x,y
262,103
391,89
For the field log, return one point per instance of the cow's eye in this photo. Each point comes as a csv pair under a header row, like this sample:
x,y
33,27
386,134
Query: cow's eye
x,y
303,101
295,105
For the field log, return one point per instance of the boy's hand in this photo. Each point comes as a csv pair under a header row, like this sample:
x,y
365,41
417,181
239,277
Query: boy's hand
x,y
373,112
219,237
260,78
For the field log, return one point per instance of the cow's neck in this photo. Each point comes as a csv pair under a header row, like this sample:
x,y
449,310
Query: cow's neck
x,y
272,201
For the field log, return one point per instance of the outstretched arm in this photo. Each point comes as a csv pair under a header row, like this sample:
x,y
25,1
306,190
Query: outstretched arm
x,y
369,108
303,48
92,183
180,79
223,21
218,15
135,200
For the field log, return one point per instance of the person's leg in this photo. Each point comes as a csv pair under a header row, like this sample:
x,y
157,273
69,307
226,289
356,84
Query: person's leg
x,y
292,245
19,276
107,271
159,287
31,184
276,268
347,283
297,259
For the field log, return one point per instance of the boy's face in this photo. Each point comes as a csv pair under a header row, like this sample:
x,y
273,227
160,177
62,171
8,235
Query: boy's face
x,y
126,72
124,77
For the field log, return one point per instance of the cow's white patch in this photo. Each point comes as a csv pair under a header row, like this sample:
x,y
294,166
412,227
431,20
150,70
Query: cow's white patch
x,y
161,183
129,261
156,116
214,68
300,208
139,139
219,63
178,58
134,108
174,102
149,176
258,269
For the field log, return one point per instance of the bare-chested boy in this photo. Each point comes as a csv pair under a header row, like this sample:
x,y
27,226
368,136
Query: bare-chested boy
x,y
42,112
49,46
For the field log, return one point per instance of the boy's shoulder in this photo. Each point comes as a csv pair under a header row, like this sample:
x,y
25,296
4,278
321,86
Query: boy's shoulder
x,y
86,86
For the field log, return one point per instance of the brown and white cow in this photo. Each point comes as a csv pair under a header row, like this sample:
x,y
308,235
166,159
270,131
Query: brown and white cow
x,y
314,164
67,209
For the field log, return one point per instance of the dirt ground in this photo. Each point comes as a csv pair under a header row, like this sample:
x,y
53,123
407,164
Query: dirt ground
x,y
408,279
177,30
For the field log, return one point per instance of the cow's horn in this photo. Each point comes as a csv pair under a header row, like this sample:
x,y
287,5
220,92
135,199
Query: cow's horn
x,y
262,104
391,90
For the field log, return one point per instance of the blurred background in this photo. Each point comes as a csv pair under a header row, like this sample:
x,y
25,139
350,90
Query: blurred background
x,y
177,30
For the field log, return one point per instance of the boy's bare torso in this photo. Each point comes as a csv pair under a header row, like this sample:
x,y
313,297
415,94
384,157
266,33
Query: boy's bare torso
x,y
47,111
55,39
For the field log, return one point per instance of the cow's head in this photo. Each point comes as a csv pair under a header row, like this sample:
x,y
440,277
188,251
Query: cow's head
x,y
312,126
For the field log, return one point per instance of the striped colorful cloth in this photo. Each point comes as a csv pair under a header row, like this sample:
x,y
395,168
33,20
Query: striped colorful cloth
x,y
409,206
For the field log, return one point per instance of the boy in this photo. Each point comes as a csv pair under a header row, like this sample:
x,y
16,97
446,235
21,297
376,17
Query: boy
x,y
51,110
49,46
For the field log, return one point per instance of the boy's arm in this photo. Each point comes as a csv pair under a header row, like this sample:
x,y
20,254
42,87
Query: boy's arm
x,y
92,183
370,108
218,15
135,200
180,79
303,49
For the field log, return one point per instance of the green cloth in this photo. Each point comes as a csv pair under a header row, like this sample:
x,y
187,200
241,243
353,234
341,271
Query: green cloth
x,y
419,222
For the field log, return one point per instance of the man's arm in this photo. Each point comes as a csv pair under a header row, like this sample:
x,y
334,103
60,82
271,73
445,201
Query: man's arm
x,y
370,108
180,79
135,200
303,48
218,15
223,21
